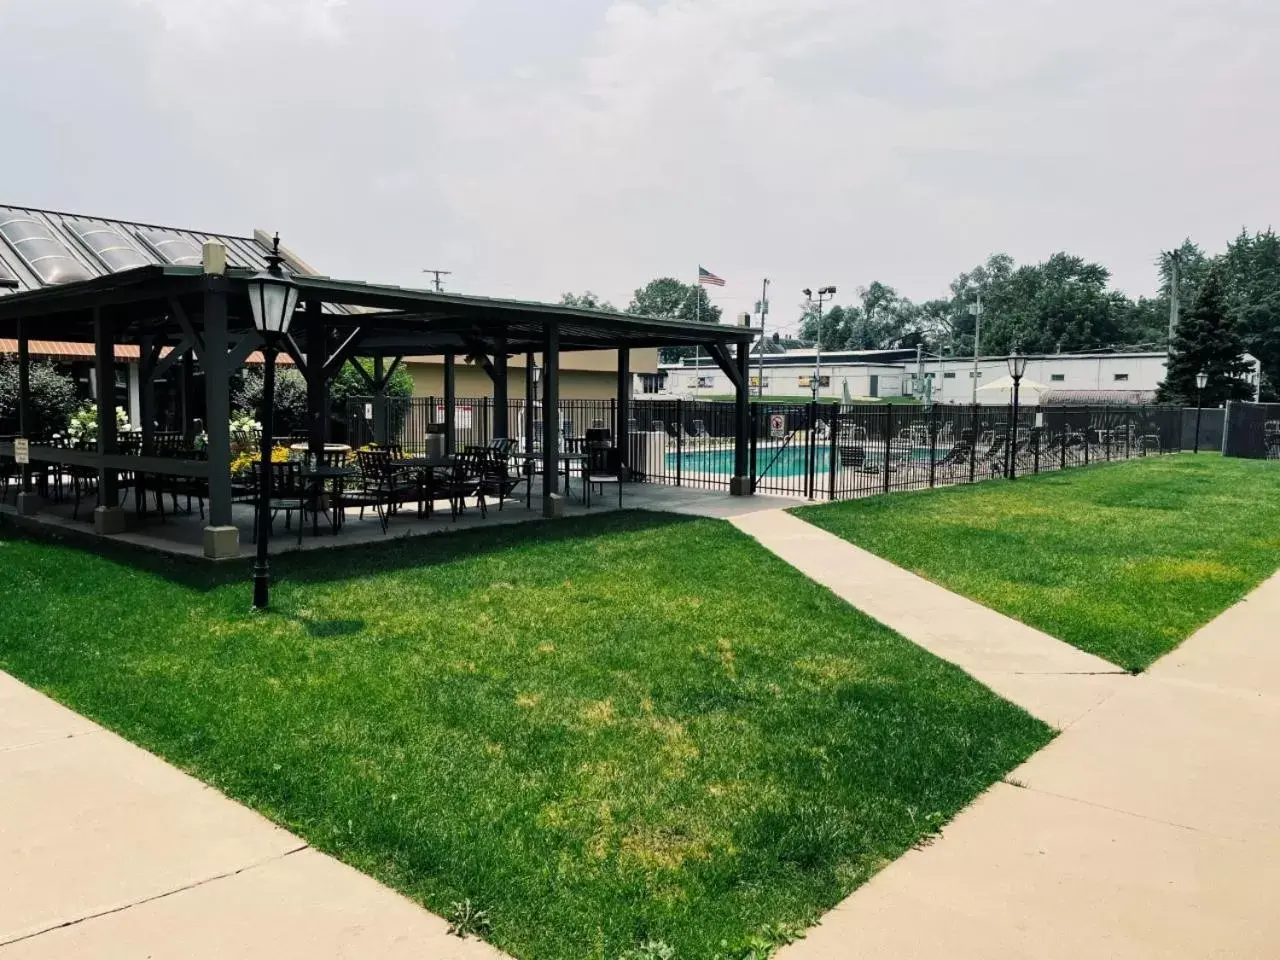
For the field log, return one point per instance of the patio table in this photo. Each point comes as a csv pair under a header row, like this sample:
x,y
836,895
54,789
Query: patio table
x,y
567,461
315,479
424,468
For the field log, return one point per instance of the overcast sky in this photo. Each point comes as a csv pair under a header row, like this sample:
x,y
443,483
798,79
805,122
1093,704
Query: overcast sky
x,y
539,146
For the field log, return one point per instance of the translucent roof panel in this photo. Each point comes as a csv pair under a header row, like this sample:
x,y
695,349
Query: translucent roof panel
x,y
34,242
107,244
7,279
173,247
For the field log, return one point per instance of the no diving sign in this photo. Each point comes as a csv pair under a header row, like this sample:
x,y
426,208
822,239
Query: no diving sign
x,y
777,425
21,451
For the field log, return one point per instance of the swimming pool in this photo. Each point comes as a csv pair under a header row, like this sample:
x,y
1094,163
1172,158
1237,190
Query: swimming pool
x,y
789,461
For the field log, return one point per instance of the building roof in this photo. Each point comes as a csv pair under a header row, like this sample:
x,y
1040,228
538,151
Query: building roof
x,y
1096,397
124,352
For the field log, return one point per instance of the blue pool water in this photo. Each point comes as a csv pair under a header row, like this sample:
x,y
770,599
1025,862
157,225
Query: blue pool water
x,y
790,461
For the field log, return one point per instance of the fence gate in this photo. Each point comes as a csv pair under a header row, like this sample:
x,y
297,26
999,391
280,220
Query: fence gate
x,y
784,445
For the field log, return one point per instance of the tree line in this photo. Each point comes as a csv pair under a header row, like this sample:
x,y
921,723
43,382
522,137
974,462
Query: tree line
x,y
1064,304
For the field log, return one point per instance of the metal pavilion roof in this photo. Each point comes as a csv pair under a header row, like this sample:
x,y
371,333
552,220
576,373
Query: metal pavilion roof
x,y
391,320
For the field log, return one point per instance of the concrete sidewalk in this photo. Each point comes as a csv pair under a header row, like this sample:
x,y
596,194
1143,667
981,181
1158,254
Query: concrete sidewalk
x,y
1049,679
108,852
1150,828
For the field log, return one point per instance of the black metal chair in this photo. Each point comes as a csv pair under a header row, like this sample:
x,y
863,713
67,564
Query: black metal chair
x,y
466,478
382,486
604,465
288,493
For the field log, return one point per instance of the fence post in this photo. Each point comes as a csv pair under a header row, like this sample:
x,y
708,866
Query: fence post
x,y
1038,432
1106,419
679,440
973,446
888,441
832,454
810,446
755,441
933,445
1088,425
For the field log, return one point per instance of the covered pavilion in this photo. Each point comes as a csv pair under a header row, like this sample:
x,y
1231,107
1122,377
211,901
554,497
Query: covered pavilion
x,y
201,315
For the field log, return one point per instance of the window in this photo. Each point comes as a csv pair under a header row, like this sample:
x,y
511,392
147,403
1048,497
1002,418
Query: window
x,y
706,383
807,382
949,376
1057,377
975,374
107,245
1121,376
755,381
34,243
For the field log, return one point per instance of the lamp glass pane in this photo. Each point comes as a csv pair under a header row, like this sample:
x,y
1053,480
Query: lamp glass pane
x,y
273,303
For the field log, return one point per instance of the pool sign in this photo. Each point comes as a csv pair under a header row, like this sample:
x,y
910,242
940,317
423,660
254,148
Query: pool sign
x,y
777,425
21,451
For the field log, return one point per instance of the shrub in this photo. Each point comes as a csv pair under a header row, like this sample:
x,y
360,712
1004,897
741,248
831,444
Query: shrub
x,y
53,398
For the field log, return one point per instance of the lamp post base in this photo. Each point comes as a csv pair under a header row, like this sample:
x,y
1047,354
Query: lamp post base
x,y
261,586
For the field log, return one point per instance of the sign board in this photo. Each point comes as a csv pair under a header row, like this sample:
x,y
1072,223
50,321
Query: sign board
x,y
777,425
461,415
22,451
368,411
755,381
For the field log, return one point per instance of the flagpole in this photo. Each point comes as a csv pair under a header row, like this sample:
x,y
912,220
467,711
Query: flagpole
x,y
697,350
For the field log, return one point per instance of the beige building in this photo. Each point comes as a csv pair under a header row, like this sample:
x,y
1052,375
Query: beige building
x,y
585,375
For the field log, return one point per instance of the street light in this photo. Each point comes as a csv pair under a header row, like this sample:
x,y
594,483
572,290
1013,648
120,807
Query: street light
x,y
1017,367
825,294
273,298
1202,381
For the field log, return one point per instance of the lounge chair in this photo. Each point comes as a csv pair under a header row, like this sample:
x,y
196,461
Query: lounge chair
x,y
698,431
821,430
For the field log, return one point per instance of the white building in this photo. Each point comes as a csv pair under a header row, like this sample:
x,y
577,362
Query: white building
x,y
871,374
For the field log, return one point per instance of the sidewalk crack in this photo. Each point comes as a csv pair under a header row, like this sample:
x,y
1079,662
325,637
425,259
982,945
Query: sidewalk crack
x,y
159,896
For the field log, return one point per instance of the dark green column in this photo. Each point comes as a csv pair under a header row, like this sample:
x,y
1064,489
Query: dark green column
x,y
552,503
450,402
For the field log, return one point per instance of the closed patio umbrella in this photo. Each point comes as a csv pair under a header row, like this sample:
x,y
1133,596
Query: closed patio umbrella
x,y
1001,391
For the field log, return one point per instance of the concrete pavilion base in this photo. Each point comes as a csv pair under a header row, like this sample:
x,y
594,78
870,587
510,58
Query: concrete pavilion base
x,y
28,504
740,487
553,506
221,543
108,521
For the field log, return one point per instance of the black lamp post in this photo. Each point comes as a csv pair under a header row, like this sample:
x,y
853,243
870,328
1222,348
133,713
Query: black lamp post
x,y
1017,367
1202,381
273,298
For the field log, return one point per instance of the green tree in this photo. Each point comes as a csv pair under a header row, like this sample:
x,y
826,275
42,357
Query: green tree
x,y
668,298
587,301
1251,273
53,398
290,397
1207,338
348,384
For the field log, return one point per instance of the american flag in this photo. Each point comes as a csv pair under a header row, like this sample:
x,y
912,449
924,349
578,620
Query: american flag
x,y
707,277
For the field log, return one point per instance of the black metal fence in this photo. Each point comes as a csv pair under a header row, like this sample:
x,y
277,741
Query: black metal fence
x,y
1252,431
816,451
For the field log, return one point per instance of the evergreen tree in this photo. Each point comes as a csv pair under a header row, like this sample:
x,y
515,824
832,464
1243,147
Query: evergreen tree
x,y
1207,338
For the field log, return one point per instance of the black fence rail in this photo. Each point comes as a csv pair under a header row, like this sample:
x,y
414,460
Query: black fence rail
x,y
814,451
1252,431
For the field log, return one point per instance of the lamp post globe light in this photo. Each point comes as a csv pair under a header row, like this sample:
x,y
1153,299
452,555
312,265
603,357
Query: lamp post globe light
x,y
1017,367
1202,381
825,294
273,299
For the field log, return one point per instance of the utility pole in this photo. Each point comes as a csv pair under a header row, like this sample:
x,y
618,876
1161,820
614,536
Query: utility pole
x,y
1175,306
826,293
919,369
437,275
976,310
764,315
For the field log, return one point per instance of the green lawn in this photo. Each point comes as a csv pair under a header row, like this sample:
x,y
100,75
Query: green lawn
x,y
1123,560
598,730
